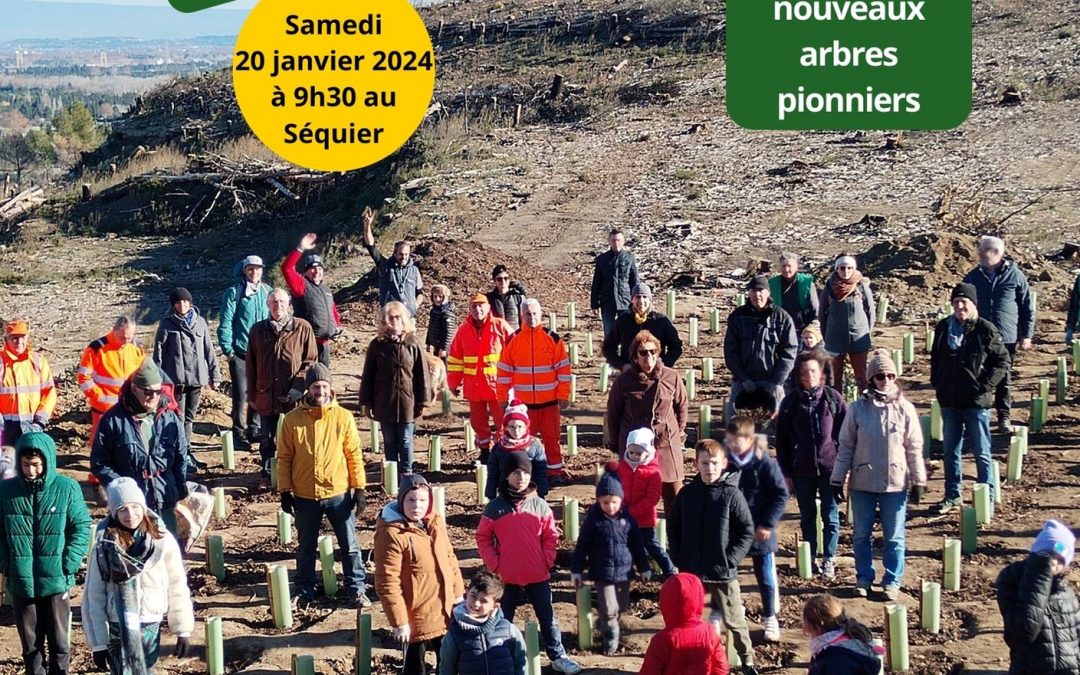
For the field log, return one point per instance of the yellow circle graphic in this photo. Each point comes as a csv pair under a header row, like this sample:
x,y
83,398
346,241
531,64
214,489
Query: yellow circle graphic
x,y
334,85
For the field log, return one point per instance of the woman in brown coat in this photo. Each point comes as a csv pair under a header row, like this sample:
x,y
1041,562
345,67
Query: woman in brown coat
x,y
652,395
417,577
395,388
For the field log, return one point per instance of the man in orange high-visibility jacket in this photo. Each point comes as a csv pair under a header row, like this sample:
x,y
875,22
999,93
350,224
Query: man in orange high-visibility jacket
x,y
472,365
27,394
536,366
106,363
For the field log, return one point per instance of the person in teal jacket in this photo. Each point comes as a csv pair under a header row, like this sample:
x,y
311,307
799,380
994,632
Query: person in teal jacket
x,y
44,533
242,306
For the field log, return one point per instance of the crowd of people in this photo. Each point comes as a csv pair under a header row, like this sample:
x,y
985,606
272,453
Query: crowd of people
x,y
785,348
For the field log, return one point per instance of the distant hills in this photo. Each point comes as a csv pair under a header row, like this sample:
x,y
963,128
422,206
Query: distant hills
x,y
35,20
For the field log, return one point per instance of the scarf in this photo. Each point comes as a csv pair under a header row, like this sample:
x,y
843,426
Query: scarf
x,y
818,643
887,395
809,399
397,338
654,375
279,326
743,460
515,444
956,333
120,566
513,496
640,318
841,288
251,289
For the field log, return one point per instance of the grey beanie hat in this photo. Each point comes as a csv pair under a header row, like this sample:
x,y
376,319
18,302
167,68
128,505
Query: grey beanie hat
x,y
316,373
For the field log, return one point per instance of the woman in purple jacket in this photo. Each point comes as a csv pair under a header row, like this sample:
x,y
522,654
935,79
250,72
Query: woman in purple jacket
x,y
807,429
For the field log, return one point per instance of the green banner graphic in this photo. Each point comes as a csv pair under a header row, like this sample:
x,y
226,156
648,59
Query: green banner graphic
x,y
188,6
849,64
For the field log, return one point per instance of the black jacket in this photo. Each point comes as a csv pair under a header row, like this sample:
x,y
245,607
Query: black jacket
x,y
442,325
614,276
760,345
1042,618
762,485
616,347
849,657
710,529
508,306
608,548
967,377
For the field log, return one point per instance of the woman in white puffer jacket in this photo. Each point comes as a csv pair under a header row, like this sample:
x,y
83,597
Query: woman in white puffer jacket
x,y
136,570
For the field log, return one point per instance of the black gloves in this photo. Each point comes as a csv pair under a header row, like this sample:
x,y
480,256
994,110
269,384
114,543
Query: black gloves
x,y
838,490
287,502
183,644
102,660
294,395
359,497
915,496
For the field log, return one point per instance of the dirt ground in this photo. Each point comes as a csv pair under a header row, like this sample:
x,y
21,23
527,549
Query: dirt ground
x,y
970,640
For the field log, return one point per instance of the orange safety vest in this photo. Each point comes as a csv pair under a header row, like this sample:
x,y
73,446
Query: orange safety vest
x,y
103,369
473,357
535,363
26,387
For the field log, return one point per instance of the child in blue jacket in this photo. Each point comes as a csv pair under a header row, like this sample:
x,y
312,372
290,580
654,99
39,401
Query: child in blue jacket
x,y
480,640
610,545
762,484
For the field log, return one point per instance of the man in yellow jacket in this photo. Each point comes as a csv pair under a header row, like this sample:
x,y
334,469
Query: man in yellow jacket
x,y
321,473
27,394
105,365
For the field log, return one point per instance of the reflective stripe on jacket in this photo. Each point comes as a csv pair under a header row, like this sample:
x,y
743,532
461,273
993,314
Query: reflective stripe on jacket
x,y
535,363
26,387
474,357
103,369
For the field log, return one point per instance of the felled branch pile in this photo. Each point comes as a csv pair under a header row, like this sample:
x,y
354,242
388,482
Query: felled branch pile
x,y
21,203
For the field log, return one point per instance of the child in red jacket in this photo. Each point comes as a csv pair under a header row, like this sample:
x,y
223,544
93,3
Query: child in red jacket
x,y
687,645
640,476
517,539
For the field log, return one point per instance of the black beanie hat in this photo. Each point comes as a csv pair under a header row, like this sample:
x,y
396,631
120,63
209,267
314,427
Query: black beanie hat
x,y
514,461
963,290
179,294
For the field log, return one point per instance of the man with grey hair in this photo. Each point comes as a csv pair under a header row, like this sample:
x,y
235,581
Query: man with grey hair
x,y
281,348
1004,299
535,366
794,291
105,364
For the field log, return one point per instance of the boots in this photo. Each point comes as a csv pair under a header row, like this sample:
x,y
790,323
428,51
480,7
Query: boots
x,y
609,640
1004,421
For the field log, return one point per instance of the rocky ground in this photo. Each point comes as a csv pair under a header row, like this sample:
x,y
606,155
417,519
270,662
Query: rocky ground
x,y
646,146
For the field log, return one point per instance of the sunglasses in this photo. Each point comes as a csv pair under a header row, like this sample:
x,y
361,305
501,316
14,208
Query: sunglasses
x,y
502,278
884,376
648,352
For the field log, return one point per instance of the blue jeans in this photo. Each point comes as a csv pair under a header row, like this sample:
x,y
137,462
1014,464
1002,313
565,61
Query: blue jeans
x,y
768,583
655,550
893,506
398,439
965,426
309,515
807,489
539,596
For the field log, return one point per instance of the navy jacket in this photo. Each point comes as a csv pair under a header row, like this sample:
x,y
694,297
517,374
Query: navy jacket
x,y
1005,301
807,431
616,347
614,276
760,345
119,450
494,647
710,528
849,657
762,485
609,547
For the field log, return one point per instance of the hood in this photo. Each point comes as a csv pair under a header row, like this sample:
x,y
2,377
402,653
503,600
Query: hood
x,y
391,514
317,410
682,600
647,458
40,443
471,626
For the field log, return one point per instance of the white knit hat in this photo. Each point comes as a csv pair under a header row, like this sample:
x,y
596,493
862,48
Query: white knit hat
x,y
122,491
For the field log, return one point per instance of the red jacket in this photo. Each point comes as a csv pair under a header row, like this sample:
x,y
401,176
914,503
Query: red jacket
x,y
687,645
518,541
641,489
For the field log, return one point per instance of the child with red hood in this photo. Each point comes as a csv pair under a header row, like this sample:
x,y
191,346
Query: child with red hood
x,y
640,476
687,645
